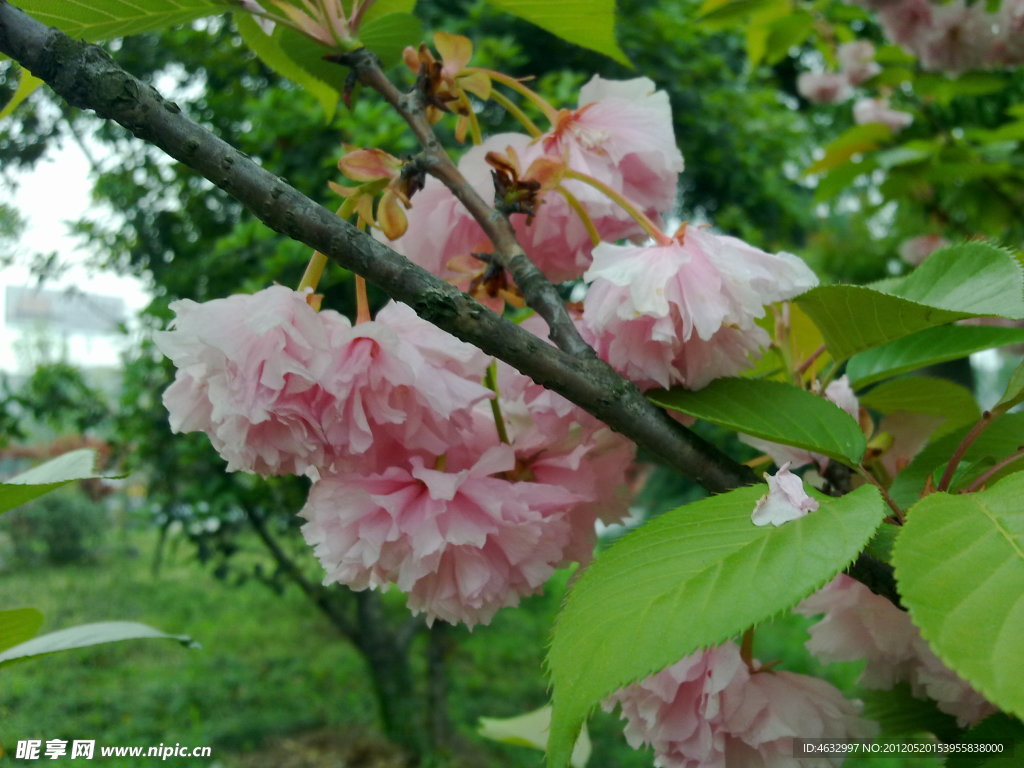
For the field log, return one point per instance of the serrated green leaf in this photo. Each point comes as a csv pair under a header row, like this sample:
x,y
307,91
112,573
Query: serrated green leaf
x,y
924,394
271,54
966,280
587,23
95,20
76,465
772,410
18,625
387,36
689,579
854,318
1014,389
928,347
853,141
969,277
999,440
27,84
84,636
959,563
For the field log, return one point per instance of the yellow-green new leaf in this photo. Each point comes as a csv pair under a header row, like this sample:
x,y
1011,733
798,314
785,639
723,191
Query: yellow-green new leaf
x,y
587,23
27,84
19,625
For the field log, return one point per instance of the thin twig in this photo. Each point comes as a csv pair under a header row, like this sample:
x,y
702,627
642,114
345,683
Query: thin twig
x,y
538,291
961,450
991,471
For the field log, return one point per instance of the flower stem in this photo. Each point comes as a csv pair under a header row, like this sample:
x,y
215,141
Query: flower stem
x,y
898,515
510,106
961,450
575,204
983,478
542,104
491,382
635,213
314,271
362,302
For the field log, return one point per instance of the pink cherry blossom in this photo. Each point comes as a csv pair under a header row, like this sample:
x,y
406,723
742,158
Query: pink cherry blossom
x,y
710,710
460,541
857,61
878,111
823,87
684,313
622,134
785,500
859,624
402,377
248,374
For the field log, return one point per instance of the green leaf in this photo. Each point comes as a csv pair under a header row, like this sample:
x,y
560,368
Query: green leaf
x,y
587,23
385,8
76,465
966,280
18,625
854,318
84,636
689,579
387,36
310,56
105,19
909,153
716,14
959,564
998,441
853,141
531,730
27,84
928,347
841,178
772,410
271,54
899,713
1014,390
923,394
980,278
785,33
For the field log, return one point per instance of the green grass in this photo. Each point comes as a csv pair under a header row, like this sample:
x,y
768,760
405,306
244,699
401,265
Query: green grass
x,y
270,667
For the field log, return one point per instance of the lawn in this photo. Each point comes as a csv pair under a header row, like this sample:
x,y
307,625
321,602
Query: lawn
x,y
273,685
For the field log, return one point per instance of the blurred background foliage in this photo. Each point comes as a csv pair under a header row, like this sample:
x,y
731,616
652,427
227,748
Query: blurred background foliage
x,y
296,661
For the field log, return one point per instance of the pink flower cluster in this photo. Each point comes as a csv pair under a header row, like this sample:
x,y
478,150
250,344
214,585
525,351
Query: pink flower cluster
x,y
957,36
684,313
678,312
621,134
858,624
712,710
412,485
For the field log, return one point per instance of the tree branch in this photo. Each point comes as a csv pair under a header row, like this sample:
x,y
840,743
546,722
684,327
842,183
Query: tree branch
x,y
88,78
540,294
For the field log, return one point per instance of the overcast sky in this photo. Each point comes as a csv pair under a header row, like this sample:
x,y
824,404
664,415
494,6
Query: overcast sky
x,y
58,191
